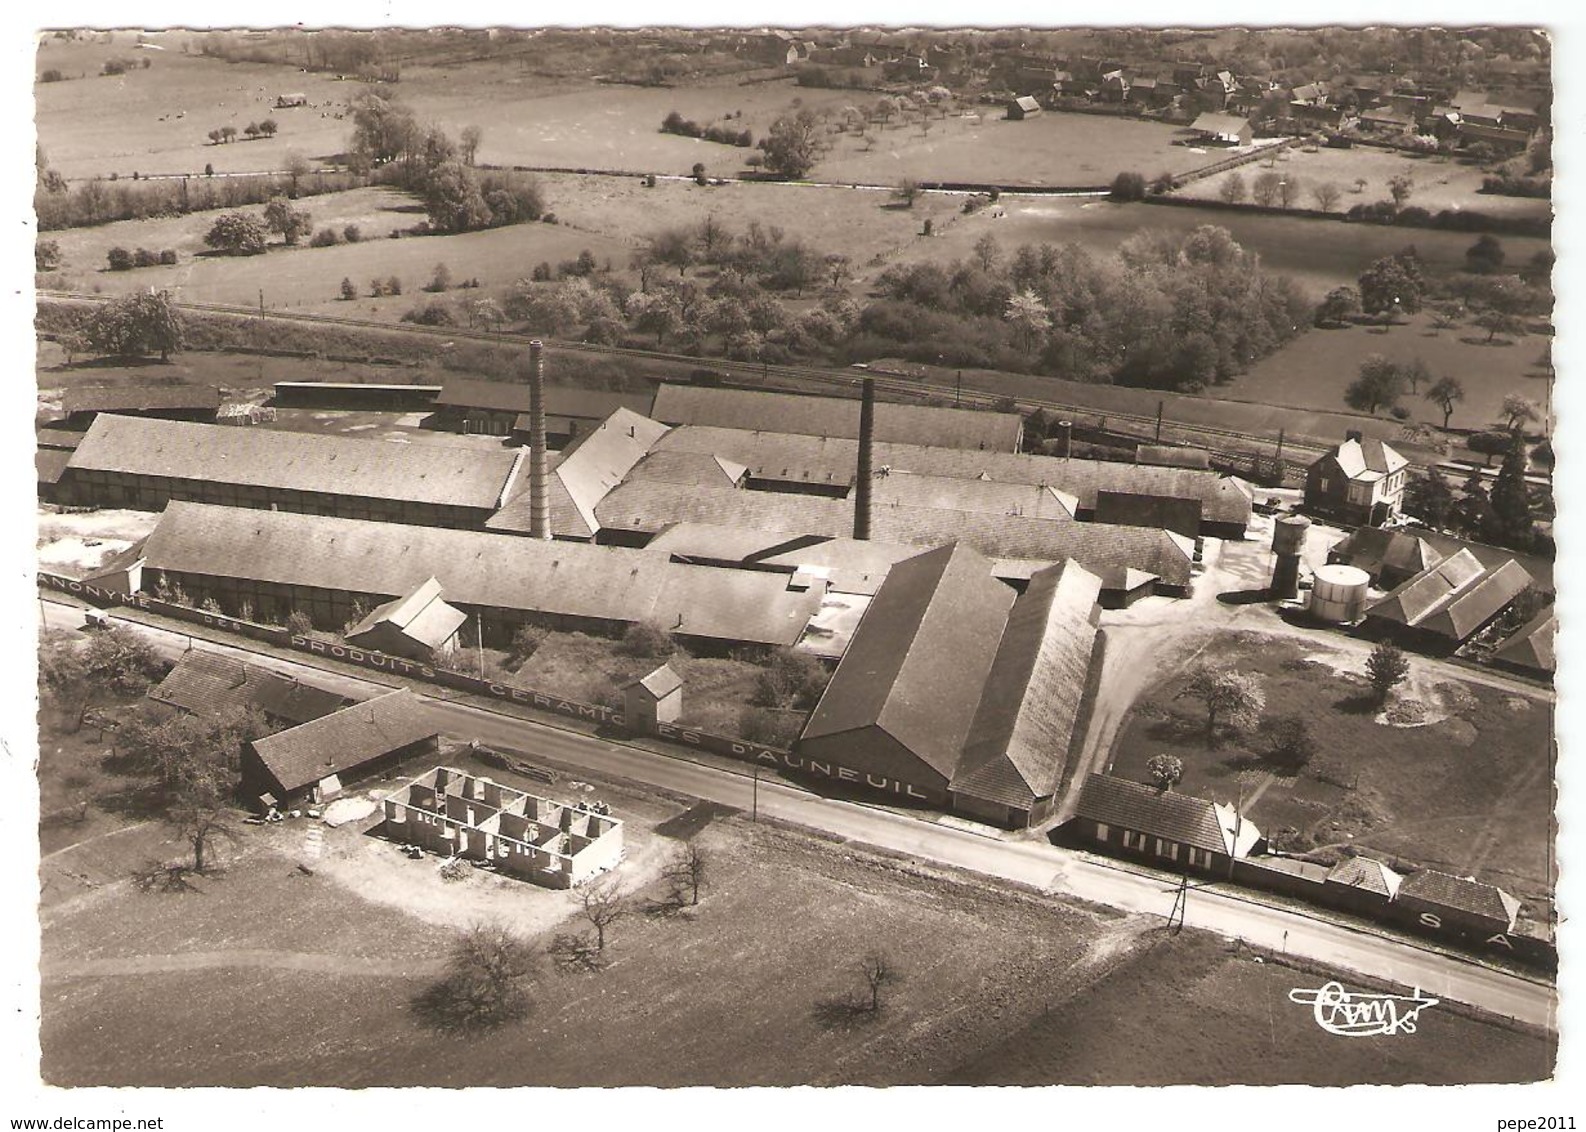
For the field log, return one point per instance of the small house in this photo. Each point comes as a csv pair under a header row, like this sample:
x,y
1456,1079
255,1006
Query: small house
x,y
1389,557
316,760
653,699
1223,129
1174,831
1359,481
1459,905
286,101
418,625
1023,107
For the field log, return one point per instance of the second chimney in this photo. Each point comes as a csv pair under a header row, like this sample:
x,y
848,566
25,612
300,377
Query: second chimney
x,y
867,430
539,500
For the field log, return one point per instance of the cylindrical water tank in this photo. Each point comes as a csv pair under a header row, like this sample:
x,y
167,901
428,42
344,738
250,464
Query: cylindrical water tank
x,y
1288,534
1338,593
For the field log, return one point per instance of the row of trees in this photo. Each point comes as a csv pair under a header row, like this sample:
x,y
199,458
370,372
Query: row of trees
x,y
252,131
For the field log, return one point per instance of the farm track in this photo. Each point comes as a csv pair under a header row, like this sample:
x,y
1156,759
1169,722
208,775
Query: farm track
x,y
1207,436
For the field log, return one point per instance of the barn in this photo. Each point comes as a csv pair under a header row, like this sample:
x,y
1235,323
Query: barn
x,y
171,402
1023,107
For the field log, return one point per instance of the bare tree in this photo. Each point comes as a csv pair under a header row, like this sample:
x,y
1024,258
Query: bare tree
x,y
1325,195
602,903
687,872
202,818
484,985
879,973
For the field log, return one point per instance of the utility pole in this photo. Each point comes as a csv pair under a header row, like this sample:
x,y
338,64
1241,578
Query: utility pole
x,y
754,813
1279,453
479,636
1159,422
958,391
1175,918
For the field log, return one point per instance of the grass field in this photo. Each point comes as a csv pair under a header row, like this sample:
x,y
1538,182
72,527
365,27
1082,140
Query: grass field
x,y
1440,182
1249,1031
1468,792
1313,371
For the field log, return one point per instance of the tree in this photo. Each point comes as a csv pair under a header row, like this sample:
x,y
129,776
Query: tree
x,y
289,222
46,255
1489,444
468,143
119,259
228,133
602,903
878,972
988,253
1335,309
1028,316
1485,256
790,147
1166,771
526,641
485,982
1386,669
191,752
137,324
268,127
1390,284
1495,321
1379,385
1289,191
1264,190
349,289
1128,186
687,871
1400,188
64,677
1233,189
236,233
201,817
908,191
1473,512
1518,412
1326,194
440,279
839,267
1445,393
383,128
1288,742
1430,499
673,247
453,199
793,680
252,130
1234,699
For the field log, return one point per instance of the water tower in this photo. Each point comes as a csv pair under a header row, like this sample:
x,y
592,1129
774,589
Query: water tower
x,y
1288,540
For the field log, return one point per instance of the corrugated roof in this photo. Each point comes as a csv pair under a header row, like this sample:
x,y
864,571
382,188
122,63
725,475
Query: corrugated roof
x,y
1374,548
207,683
1531,646
583,476
1183,818
479,570
919,659
1103,549
345,739
1018,744
763,410
834,460
1363,872
50,464
108,398
1455,597
294,461
566,401
1441,890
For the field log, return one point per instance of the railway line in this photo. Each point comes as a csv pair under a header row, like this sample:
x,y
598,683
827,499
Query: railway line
x,y
1145,427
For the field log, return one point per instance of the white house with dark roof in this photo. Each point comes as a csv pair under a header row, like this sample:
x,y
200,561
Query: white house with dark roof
x,y
1361,480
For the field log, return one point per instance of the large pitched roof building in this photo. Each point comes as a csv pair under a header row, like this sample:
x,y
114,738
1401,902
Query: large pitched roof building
x,y
234,554
210,684
756,410
145,464
960,690
314,760
1447,603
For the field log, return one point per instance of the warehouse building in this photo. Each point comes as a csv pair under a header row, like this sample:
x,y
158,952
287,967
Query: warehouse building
x,y
1529,649
263,557
1447,603
82,404
315,761
146,464
501,408
209,684
535,839
1389,557
826,464
757,410
957,693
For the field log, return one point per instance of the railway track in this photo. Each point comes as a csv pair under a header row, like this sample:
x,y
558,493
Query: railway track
x,y
1220,440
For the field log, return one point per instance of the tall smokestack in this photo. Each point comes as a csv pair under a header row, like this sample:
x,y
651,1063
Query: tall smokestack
x,y
867,435
539,501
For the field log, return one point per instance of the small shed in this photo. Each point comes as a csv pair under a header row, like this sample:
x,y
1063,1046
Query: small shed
x,y
1226,129
653,699
418,625
1024,107
283,101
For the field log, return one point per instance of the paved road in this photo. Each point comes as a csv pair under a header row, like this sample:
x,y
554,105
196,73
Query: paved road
x,y
1227,911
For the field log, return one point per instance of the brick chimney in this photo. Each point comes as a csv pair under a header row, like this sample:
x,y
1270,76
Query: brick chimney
x,y
866,480
539,500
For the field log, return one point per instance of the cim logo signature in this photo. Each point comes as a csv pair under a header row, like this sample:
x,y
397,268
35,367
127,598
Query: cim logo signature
x,y
1350,1015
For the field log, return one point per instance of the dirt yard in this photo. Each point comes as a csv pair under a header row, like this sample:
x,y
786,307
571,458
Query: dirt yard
x,y
1416,792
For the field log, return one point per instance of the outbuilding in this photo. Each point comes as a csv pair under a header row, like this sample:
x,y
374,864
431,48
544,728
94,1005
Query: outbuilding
x,y
654,698
1023,107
